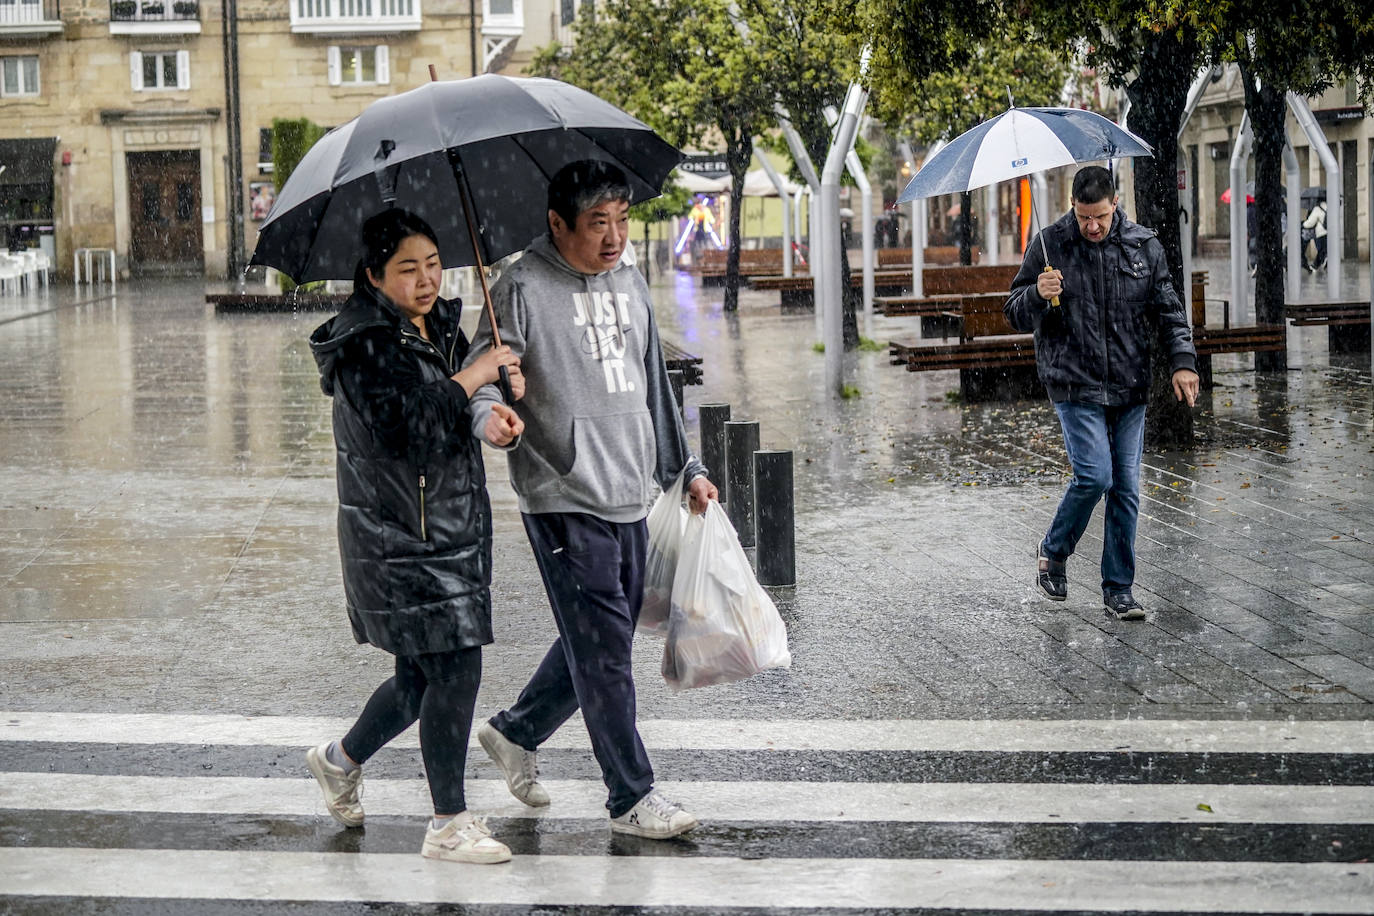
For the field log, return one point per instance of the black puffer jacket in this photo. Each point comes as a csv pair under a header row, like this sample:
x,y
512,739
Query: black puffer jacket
x,y
414,518
1095,347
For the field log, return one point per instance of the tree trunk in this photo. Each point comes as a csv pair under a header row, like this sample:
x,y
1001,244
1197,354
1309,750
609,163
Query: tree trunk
x,y
965,227
738,152
1267,107
648,255
1158,96
849,296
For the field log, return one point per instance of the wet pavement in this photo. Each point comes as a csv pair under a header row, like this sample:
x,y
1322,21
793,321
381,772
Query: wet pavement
x,y
167,507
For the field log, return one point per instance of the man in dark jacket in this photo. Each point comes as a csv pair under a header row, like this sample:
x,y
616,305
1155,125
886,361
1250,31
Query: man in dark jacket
x,y
601,427
1093,319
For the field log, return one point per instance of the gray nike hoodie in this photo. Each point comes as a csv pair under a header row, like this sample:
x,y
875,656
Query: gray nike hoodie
x,y
601,424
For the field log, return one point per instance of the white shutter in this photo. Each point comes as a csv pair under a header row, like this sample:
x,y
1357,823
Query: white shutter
x,y
383,64
183,69
136,71
335,66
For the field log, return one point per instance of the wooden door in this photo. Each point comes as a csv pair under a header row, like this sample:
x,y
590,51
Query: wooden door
x,y
164,213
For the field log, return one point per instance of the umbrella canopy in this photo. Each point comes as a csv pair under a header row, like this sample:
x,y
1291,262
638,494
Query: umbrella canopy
x,y
1311,196
1249,194
494,140
1018,142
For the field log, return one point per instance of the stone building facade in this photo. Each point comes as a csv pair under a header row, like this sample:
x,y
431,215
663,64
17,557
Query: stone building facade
x,y
115,114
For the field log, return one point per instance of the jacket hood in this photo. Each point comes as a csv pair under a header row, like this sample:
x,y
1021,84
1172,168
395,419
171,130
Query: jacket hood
x,y
548,251
364,310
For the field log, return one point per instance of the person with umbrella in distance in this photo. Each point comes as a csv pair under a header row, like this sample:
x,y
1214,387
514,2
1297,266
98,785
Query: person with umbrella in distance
x,y
1093,319
601,426
414,520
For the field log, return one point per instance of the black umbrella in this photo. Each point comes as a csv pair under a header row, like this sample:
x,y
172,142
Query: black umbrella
x,y
473,157
1311,195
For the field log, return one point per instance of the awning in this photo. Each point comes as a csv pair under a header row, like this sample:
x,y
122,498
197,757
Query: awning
x,y
27,160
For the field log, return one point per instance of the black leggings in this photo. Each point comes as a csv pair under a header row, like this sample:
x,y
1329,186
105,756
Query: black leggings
x,y
439,689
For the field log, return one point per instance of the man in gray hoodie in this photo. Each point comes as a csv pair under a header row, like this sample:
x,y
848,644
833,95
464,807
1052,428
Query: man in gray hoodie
x,y
601,426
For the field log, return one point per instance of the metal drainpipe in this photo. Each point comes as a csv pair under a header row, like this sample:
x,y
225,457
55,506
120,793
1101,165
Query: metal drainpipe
x,y
783,198
1186,214
856,168
1240,258
1291,236
234,137
1334,205
828,294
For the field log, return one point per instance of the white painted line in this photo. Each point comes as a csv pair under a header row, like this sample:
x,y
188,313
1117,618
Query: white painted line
x,y
1139,735
693,883
722,801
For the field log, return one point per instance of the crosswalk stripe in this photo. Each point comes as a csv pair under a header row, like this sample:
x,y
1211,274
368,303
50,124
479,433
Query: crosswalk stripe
x,y
693,882
1140,735
724,801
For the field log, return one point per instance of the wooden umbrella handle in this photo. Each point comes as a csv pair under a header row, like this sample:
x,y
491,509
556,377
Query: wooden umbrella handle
x,y
1055,301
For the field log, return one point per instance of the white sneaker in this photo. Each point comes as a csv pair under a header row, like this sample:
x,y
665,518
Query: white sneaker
x,y
469,841
655,817
519,766
342,791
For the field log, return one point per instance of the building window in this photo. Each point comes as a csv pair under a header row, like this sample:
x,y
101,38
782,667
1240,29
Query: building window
x,y
265,150
364,65
154,70
19,76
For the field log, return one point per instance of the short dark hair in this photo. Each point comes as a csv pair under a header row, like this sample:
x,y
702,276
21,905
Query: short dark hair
x,y
1092,184
383,233
579,186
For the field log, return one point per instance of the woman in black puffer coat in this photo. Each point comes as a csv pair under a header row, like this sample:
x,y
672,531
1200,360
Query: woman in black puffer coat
x,y
414,520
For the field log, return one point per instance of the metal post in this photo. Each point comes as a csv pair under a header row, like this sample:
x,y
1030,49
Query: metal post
x,y
1240,257
713,417
785,200
1186,214
990,225
776,556
1335,224
1291,234
741,441
828,293
676,379
856,169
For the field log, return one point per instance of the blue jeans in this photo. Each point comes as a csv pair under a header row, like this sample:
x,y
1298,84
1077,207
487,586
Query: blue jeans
x,y
1104,446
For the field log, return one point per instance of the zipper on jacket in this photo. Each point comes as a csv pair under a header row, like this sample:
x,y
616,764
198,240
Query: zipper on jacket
x,y
424,536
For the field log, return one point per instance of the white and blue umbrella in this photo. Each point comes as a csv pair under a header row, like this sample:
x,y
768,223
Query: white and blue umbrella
x,y
1018,142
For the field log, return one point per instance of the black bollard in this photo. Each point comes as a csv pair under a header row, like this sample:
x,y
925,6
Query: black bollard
x,y
676,380
713,417
741,441
776,556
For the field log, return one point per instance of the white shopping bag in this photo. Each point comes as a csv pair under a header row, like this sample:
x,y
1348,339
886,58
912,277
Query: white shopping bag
x,y
722,626
666,521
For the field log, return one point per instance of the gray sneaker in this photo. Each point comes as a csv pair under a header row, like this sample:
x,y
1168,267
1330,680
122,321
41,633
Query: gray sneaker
x,y
519,766
655,817
342,791
1123,606
469,842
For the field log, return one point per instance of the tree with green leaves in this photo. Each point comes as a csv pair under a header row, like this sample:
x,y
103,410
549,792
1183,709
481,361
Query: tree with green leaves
x,y
810,51
1280,46
1013,65
682,68
1154,60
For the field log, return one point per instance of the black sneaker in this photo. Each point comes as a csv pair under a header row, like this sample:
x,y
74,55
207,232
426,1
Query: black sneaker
x,y
1053,578
1123,606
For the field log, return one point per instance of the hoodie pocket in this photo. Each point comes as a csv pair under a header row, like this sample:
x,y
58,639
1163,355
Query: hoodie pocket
x,y
613,461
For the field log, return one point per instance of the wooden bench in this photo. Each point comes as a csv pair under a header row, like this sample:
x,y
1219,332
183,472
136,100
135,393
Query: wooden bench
x,y
752,262
798,292
934,254
995,361
679,360
1347,323
231,303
